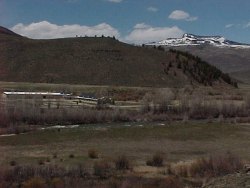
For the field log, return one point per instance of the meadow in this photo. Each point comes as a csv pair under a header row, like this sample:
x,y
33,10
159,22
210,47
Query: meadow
x,y
175,137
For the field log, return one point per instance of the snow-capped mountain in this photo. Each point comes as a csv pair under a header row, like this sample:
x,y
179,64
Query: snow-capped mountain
x,y
195,40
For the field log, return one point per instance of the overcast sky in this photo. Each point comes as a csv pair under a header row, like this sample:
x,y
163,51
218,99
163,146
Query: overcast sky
x,y
133,21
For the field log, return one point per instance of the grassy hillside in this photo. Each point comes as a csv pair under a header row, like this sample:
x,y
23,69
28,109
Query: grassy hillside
x,y
243,76
229,60
97,61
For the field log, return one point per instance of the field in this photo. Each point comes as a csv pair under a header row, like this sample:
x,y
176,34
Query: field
x,y
177,141
215,122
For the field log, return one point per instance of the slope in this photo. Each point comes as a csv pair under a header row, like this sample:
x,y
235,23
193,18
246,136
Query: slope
x,y
94,61
229,60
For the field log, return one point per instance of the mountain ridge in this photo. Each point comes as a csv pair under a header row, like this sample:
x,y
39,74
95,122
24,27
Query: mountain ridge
x,y
196,40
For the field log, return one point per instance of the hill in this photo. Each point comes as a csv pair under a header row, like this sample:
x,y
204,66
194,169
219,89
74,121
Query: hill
x,y
100,61
229,60
7,31
229,56
241,75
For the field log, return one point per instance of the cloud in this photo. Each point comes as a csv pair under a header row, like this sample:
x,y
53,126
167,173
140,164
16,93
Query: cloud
x,y
47,30
229,25
152,9
247,25
143,33
115,1
181,15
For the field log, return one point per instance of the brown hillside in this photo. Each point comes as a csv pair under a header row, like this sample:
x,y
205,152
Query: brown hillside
x,y
230,60
7,31
97,61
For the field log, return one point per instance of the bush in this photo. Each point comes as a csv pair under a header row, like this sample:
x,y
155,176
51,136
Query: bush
x,y
171,182
93,154
57,183
135,182
4,120
41,162
13,163
181,169
122,163
35,182
54,155
247,101
157,160
48,160
102,169
216,166
71,156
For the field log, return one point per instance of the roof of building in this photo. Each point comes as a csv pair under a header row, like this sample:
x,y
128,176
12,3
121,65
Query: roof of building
x,y
34,93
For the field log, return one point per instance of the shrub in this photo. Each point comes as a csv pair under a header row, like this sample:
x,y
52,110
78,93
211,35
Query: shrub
x,y
71,156
4,121
171,182
57,183
157,160
93,154
35,182
13,163
41,162
48,160
181,170
122,163
247,101
54,155
135,182
80,171
216,166
102,169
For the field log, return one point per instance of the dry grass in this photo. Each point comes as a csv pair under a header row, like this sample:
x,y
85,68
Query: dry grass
x,y
136,182
103,169
35,182
36,116
159,105
214,166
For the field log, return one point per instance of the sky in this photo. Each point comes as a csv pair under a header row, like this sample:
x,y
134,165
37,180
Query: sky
x,y
132,21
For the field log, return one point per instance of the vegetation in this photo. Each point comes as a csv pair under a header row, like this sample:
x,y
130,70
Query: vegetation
x,y
93,154
200,70
102,169
27,60
233,61
157,160
22,176
214,166
54,176
169,104
178,141
141,122
34,182
122,163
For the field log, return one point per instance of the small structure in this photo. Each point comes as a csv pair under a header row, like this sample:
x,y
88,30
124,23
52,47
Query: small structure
x,y
31,95
88,95
105,101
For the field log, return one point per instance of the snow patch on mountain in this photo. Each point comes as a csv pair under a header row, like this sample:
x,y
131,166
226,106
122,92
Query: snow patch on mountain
x,y
195,40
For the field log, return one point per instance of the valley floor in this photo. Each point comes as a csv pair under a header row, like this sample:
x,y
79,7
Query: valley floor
x,y
177,142
210,122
